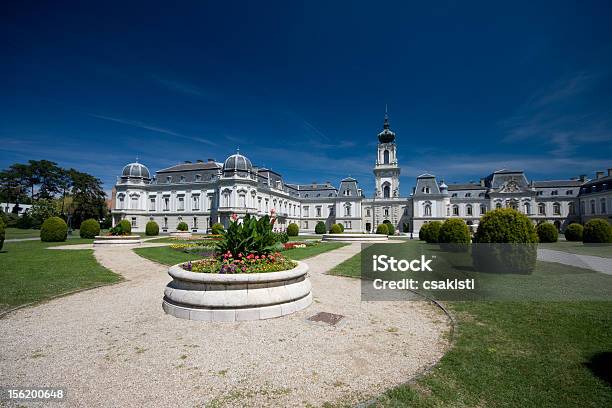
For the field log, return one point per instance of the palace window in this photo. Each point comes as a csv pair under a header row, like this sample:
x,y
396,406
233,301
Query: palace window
x,y
454,195
527,208
554,192
182,179
571,208
121,201
386,191
210,203
332,210
166,222
427,210
569,192
542,209
498,205
242,200
195,202
483,209
367,212
152,204
386,157
226,199
195,222
425,190
198,177
468,210
603,205
166,203
582,210
592,206
347,210
468,194
386,212
305,224
134,202
168,179
305,212
539,193
455,209
318,211
181,204
347,225
134,222
557,209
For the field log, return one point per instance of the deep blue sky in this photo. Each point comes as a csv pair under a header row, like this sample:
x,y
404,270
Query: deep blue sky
x,y
471,86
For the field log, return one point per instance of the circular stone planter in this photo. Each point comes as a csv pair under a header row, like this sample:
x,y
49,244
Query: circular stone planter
x,y
236,297
181,234
109,240
355,237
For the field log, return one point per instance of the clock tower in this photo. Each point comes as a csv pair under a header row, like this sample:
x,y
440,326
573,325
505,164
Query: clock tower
x,y
386,170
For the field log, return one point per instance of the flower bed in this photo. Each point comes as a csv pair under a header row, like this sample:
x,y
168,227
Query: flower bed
x,y
247,264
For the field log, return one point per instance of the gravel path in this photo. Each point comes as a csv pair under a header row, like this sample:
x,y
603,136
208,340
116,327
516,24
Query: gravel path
x,y
114,346
596,263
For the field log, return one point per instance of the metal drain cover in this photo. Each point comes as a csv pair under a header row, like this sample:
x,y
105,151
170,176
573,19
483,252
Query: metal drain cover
x,y
324,317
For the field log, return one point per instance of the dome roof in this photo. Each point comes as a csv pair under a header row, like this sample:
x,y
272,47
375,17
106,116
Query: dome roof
x,y
237,162
387,135
136,170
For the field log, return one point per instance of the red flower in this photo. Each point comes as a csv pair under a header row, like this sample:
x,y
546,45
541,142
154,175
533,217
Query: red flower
x,y
234,217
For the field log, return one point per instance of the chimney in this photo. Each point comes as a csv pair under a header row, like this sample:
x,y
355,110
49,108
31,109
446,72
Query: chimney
x,y
482,182
582,177
187,161
599,174
609,172
199,161
211,160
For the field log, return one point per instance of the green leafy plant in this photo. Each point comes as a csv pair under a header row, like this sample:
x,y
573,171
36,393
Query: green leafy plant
x,y
281,237
25,222
122,228
320,228
89,229
390,228
429,232
182,226
54,229
293,230
547,232
597,230
382,229
217,228
2,233
335,229
152,229
454,235
574,231
251,236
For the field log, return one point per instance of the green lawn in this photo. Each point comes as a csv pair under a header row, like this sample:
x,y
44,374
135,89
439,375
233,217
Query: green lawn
x,y
603,250
168,256
518,354
31,273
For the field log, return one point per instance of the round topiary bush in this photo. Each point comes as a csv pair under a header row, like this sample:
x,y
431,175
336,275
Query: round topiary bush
x,y
341,227
152,229
217,228
573,232
335,229
2,233
89,229
320,228
454,235
597,231
390,228
498,228
126,227
431,232
293,230
54,229
182,226
547,232
382,229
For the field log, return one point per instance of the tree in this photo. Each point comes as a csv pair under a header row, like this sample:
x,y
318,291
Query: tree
x,y
88,196
48,175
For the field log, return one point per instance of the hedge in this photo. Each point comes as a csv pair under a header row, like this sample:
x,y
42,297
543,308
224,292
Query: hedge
x,y
547,232
217,228
293,230
126,227
573,232
505,226
382,229
341,227
597,230
320,228
335,229
454,235
152,229
54,229
182,226
89,229
429,232
390,228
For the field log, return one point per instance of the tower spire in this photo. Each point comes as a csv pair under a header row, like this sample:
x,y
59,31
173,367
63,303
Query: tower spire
x,y
386,124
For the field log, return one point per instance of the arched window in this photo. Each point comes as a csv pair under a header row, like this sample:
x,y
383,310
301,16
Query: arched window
x,y
603,205
498,206
542,209
557,209
386,191
121,201
527,208
386,157
455,209
592,206
571,208
134,202
483,209
226,199
427,210
468,209
347,210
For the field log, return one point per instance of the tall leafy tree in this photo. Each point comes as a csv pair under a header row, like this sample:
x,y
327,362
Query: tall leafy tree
x,y
48,175
88,196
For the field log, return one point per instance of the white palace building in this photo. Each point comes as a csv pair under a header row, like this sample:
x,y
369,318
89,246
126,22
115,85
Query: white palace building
x,y
205,192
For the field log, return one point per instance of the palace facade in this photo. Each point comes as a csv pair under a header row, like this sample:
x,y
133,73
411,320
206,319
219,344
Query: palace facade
x,y
204,192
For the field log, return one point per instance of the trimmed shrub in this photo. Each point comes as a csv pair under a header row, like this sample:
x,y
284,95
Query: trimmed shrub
x,y
431,232
320,228
54,229
217,228
547,232
152,229
335,229
25,222
454,235
341,227
281,237
182,226
126,227
2,233
390,228
89,229
597,230
382,229
573,232
293,230
505,226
